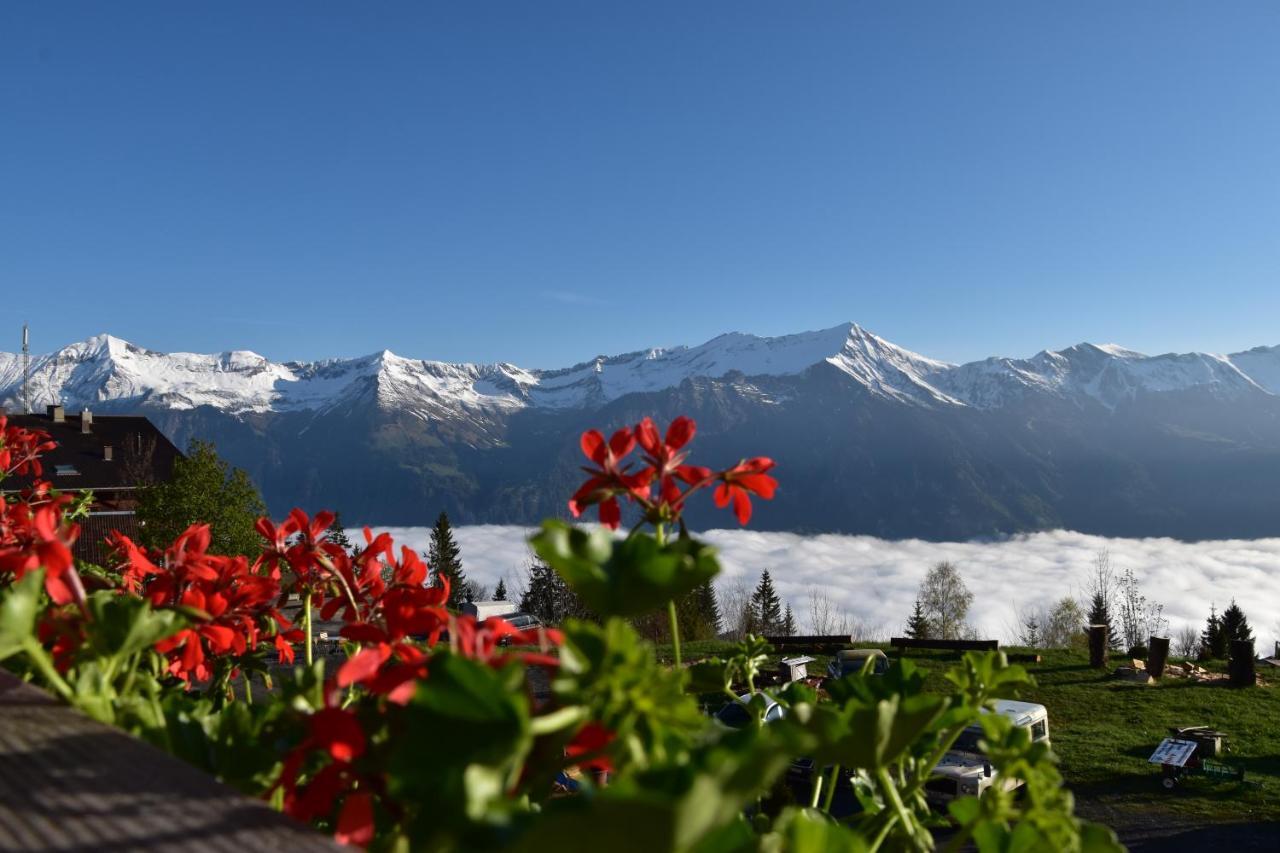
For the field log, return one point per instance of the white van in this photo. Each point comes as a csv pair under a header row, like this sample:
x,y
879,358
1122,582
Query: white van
x,y
965,771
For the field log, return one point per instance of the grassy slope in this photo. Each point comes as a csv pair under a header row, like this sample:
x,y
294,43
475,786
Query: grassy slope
x,y
1103,731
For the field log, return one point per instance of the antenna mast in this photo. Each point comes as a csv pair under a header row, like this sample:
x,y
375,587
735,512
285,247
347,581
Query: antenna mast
x,y
26,370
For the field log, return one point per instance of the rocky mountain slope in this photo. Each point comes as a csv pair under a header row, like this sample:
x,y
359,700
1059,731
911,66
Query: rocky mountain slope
x,y
870,437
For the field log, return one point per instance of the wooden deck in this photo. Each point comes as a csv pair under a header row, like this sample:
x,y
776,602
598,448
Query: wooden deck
x,y
69,783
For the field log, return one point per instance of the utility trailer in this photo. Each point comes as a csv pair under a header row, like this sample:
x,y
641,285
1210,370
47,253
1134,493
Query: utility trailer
x,y
1193,751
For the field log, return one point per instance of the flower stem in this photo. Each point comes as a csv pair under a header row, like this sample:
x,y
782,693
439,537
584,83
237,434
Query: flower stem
x,y
306,623
817,788
38,656
675,631
660,534
831,788
891,794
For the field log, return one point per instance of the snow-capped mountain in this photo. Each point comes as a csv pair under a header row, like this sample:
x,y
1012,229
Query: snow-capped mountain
x,y
869,437
105,369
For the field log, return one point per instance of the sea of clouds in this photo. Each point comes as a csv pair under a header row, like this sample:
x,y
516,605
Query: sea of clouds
x,y
874,581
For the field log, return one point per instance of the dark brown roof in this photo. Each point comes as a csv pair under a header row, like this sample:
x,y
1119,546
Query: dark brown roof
x,y
130,438
94,529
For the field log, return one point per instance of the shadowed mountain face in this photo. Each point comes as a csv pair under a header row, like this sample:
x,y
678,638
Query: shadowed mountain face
x,y
869,438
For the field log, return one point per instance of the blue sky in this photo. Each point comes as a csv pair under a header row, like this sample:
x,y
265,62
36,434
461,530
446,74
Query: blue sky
x,y
542,182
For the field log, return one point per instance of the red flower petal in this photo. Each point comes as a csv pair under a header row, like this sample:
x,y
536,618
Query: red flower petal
x,y
680,432
355,822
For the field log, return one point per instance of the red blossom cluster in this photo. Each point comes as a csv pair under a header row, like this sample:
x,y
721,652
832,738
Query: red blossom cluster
x,y
663,466
232,604
33,531
394,621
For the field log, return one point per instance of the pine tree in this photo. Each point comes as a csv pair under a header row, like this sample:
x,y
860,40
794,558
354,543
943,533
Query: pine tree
x,y
444,558
500,594
203,488
542,597
918,624
1100,614
1213,642
789,622
337,534
548,597
709,607
697,612
1031,632
766,605
1234,624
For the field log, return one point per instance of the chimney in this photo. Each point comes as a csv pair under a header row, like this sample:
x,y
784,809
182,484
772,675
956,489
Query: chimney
x,y
107,452
86,422
57,414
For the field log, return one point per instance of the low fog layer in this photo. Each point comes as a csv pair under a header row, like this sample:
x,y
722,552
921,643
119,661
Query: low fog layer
x,y
874,581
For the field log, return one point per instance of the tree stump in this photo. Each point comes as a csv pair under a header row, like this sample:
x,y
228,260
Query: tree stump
x,y
1157,655
1098,646
1240,668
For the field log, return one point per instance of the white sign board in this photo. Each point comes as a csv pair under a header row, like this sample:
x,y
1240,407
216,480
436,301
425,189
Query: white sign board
x,y
1172,751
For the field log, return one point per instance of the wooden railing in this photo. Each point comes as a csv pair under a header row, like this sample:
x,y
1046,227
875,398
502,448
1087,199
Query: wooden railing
x,y
70,783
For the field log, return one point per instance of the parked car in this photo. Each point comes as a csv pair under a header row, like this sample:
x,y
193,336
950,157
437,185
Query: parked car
x,y
850,661
736,714
965,770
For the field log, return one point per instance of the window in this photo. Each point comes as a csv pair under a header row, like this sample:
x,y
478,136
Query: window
x,y
65,471
734,715
774,713
1039,730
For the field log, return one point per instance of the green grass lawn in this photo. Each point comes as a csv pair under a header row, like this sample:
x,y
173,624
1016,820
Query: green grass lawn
x,y
1104,729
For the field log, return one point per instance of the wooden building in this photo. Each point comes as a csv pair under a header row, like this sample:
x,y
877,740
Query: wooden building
x,y
111,456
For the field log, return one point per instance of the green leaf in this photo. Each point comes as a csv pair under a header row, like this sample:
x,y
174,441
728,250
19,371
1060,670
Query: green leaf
x,y
812,831
19,608
122,625
465,736
629,577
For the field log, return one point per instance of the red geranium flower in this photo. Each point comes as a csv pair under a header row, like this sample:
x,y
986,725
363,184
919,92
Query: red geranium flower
x,y
608,479
746,477
666,460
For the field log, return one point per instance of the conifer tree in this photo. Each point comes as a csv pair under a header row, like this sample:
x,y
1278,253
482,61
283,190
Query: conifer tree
x,y
337,534
708,610
789,622
445,560
767,605
1234,625
1031,632
500,594
1100,614
1213,642
918,624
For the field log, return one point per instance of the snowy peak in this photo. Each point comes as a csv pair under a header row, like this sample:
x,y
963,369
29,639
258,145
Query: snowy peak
x,y
890,370
1262,365
108,370
1107,373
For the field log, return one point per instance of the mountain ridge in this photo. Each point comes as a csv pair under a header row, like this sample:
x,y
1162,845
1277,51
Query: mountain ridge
x,y
107,369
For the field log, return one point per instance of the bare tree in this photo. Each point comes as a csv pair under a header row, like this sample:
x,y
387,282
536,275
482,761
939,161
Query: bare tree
x,y
137,460
1187,643
735,607
1139,618
821,620
946,600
